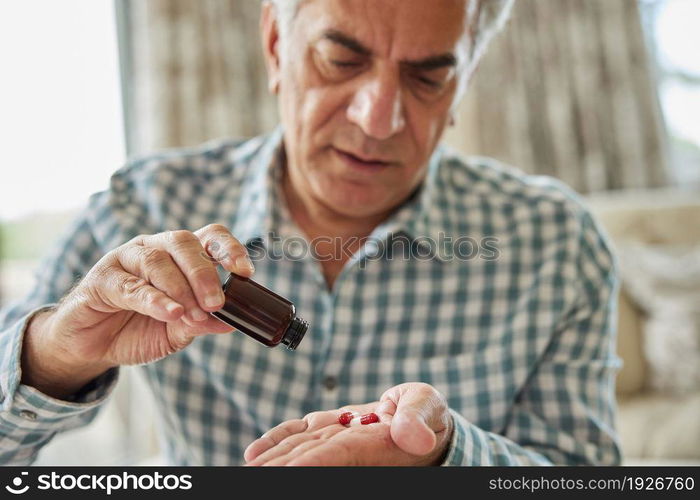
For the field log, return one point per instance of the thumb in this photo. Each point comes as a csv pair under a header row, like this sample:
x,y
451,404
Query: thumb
x,y
420,413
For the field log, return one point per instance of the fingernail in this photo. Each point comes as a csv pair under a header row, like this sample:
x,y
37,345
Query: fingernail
x,y
198,314
244,261
214,299
172,307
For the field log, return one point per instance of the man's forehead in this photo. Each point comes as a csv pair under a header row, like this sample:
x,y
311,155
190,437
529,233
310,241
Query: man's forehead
x,y
400,29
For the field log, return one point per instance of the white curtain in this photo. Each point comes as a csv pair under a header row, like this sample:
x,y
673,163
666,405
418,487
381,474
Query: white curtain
x,y
567,90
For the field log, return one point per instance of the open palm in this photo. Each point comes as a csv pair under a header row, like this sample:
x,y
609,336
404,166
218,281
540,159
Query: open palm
x,y
414,428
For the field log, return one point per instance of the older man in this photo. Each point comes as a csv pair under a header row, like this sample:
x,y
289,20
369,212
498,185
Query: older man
x,y
503,355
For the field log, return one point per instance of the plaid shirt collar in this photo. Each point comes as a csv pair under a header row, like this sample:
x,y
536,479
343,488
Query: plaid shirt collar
x,y
419,218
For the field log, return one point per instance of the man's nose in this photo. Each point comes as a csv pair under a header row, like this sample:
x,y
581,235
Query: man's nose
x,y
377,107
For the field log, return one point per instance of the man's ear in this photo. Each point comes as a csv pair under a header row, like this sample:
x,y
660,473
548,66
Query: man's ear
x,y
269,31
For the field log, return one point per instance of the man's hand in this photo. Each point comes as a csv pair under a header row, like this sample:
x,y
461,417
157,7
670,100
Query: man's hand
x,y
142,301
415,428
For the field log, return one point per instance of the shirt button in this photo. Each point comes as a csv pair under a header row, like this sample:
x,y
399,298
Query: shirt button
x,y
330,383
27,414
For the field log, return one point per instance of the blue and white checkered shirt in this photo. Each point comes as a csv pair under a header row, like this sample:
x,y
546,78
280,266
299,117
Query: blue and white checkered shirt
x,y
513,322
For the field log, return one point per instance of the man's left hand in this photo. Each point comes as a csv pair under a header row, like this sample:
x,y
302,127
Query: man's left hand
x,y
414,428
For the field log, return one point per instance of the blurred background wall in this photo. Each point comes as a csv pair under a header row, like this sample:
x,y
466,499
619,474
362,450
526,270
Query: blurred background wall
x,y
603,94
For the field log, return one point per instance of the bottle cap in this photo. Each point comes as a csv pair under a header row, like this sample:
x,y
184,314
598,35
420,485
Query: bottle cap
x,y
295,333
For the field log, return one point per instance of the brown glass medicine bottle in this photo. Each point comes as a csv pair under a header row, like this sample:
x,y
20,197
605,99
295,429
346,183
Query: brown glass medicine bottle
x,y
260,313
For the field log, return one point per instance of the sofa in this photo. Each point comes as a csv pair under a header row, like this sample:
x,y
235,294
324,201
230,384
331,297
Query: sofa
x,y
656,426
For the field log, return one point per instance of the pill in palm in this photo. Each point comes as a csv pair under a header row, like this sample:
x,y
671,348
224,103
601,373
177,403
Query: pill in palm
x,y
346,418
370,418
350,419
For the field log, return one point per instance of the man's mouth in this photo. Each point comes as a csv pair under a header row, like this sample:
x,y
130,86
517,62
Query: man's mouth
x,y
361,162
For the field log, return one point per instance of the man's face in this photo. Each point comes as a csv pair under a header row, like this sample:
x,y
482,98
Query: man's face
x,y
365,91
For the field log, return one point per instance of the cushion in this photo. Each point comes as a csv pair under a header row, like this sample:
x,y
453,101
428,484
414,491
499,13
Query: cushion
x,y
664,281
660,427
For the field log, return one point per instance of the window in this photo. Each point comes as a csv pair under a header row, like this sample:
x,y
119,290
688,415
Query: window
x,y
61,123
671,27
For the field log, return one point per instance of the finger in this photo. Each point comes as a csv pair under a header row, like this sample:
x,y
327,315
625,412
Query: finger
x,y
297,453
328,456
283,448
273,437
158,267
319,419
361,409
225,249
124,291
210,326
410,433
386,408
341,451
188,253
277,452
421,412
340,446
312,421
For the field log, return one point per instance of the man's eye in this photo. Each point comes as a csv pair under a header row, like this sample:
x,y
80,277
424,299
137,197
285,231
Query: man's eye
x,y
427,84
344,64
428,81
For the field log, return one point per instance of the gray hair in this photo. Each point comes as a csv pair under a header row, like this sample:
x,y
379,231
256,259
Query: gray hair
x,y
486,18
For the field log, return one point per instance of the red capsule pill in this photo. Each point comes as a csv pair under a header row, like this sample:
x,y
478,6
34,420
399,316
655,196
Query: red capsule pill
x,y
346,418
370,418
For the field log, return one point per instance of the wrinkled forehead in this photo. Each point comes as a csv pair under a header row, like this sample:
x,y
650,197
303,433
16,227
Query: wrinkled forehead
x,y
393,29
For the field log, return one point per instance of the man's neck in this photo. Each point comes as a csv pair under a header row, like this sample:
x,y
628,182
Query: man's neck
x,y
341,234
315,219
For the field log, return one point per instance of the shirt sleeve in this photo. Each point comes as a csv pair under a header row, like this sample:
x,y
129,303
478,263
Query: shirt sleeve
x,y
565,413
29,418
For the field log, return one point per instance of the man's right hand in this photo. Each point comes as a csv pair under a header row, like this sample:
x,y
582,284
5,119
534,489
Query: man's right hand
x,y
142,301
